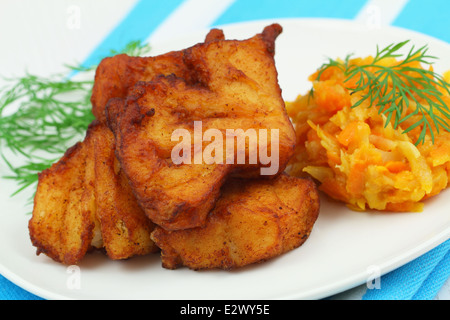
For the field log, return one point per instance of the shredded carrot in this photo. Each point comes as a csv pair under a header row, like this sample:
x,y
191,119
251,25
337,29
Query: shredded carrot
x,y
331,97
353,132
356,179
359,159
397,166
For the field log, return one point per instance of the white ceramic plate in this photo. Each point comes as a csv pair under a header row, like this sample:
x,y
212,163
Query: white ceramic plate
x,y
345,249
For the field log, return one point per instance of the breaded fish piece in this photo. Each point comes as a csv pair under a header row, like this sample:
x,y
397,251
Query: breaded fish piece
x,y
236,87
115,75
243,76
173,196
84,202
124,227
253,221
62,225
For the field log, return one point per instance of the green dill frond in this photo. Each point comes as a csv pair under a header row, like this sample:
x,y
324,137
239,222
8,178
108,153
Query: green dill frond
x,y
391,88
134,49
41,117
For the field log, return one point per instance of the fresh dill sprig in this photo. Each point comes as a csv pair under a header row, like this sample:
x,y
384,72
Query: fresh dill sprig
x,y
392,88
41,117
134,49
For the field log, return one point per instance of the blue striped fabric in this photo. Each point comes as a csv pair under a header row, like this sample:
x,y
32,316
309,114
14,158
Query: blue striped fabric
x,y
246,10
138,24
433,284
421,278
427,16
9,291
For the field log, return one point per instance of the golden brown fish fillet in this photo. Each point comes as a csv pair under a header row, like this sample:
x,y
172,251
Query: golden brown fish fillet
x,y
174,196
242,77
115,75
253,221
62,225
84,201
236,87
124,227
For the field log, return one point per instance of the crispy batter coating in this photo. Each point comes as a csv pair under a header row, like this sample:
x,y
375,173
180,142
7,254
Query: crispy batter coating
x,y
119,190
62,224
125,228
253,221
242,77
84,201
235,87
116,75
174,196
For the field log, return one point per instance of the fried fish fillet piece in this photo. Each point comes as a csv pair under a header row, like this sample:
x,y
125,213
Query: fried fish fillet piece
x,y
253,221
124,226
116,75
176,196
242,76
236,88
76,209
62,225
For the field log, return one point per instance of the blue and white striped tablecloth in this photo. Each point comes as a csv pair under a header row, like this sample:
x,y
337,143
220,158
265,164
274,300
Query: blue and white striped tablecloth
x,y
103,25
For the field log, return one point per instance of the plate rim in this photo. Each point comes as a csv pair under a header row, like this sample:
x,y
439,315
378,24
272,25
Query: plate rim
x,y
316,293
